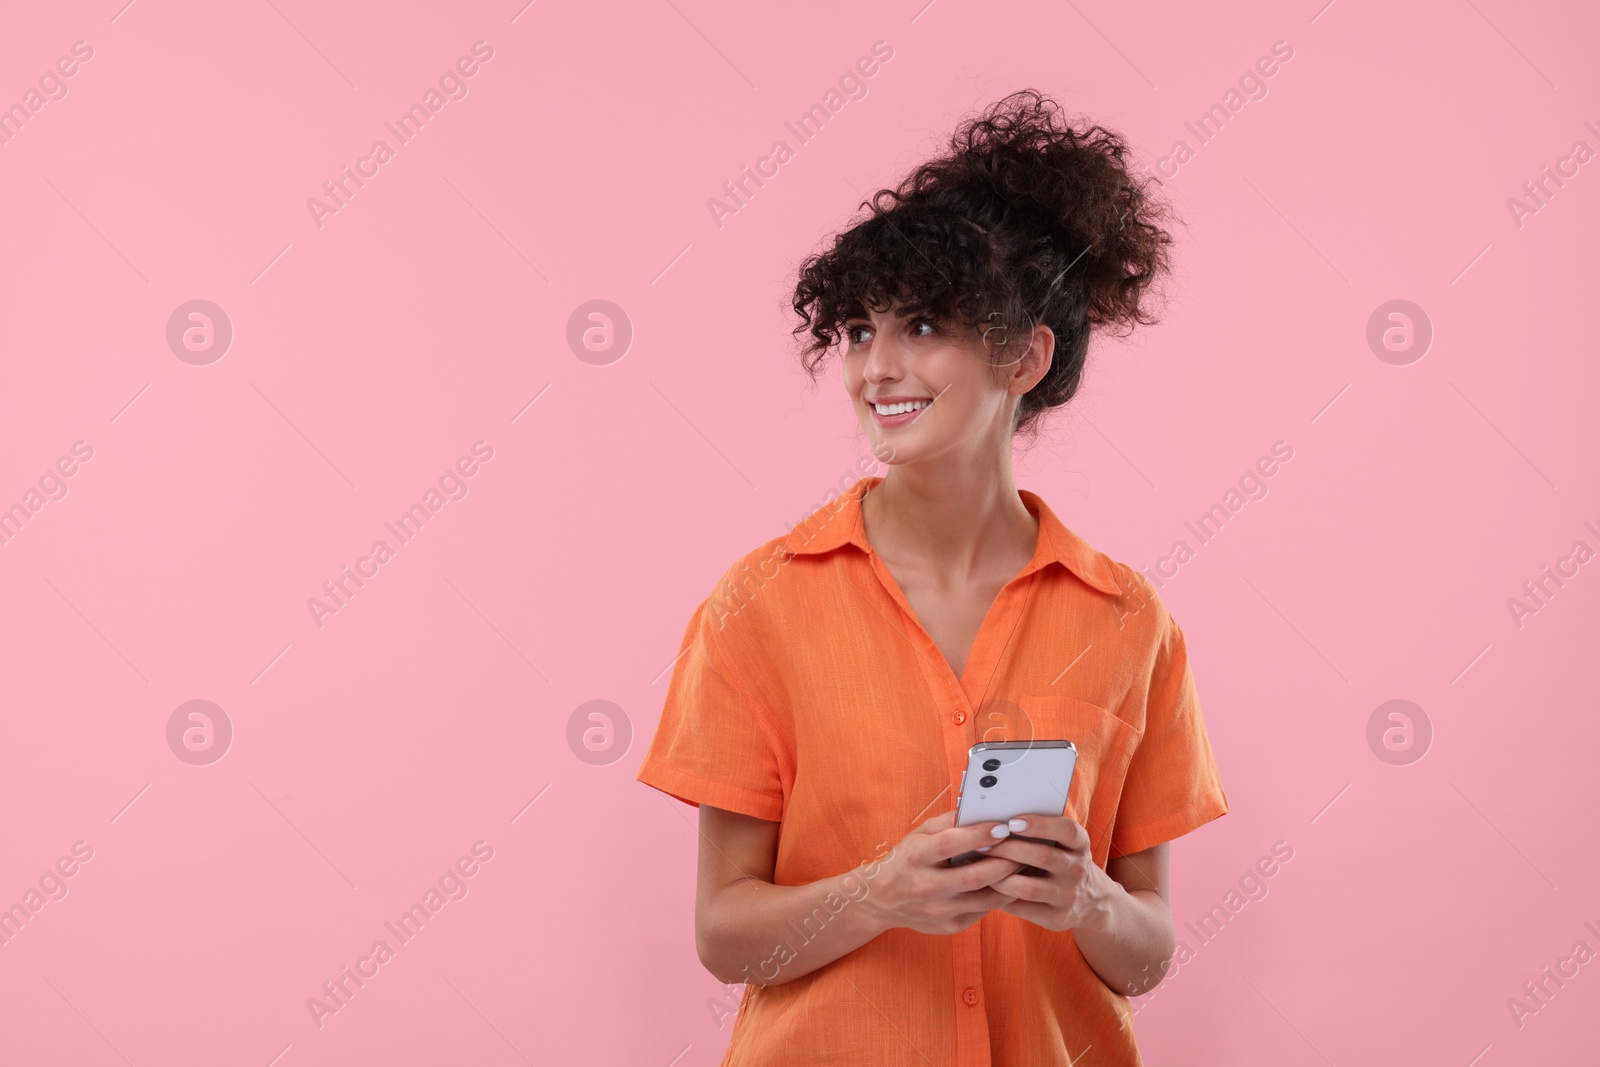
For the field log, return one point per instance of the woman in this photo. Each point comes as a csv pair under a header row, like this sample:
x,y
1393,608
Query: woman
x,y
827,693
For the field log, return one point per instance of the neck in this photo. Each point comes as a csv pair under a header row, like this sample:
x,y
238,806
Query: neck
x,y
957,520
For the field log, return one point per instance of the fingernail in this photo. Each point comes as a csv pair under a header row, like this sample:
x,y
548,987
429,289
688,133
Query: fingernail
x,y
1000,831
984,848
1019,825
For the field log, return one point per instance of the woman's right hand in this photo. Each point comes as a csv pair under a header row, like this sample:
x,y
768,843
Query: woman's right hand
x,y
915,887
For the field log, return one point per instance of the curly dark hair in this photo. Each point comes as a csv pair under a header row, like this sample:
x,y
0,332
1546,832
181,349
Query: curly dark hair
x,y
1026,219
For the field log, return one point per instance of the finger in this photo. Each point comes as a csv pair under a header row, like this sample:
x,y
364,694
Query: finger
x,y
939,822
981,874
980,903
966,919
1032,911
986,899
1049,857
958,839
1062,829
962,922
1029,889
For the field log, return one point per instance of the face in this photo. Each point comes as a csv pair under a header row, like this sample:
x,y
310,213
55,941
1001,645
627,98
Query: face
x,y
923,389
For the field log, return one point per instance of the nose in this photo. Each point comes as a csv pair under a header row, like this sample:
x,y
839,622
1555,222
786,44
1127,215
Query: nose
x,y
884,357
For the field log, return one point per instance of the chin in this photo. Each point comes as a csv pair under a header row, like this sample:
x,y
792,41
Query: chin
x,y
896,455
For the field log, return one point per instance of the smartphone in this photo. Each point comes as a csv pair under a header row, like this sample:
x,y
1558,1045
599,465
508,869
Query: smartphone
x,y
1005,779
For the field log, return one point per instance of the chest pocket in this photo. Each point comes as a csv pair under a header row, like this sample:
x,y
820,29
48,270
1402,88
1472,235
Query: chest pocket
x,y
1105,747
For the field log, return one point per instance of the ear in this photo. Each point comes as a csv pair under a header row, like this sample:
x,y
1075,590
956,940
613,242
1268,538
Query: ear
x,y
1034,364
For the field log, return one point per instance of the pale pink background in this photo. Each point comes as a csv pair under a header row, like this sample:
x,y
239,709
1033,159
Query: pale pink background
x,y
370,353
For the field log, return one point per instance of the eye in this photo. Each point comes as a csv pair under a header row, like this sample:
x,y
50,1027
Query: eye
x,y
850,333
933,327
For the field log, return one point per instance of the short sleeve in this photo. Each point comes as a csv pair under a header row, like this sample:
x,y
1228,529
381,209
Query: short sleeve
x,y
1172,785
714,744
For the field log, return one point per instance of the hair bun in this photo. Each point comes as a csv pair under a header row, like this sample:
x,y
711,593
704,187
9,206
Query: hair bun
x,y
1070,184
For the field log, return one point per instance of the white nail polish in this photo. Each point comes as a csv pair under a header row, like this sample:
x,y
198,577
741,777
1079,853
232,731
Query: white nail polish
x,y
1000,831
1019,825
984,848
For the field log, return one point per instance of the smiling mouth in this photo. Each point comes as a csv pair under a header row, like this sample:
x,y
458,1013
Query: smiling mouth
x,y
902,408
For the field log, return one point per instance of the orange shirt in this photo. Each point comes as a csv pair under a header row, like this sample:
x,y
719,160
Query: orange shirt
x,y
807,692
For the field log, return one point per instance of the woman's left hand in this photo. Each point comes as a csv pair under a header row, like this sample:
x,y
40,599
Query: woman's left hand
x,y
1075,892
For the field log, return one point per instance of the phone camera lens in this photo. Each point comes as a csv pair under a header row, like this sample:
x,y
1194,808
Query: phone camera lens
x,y
991,765
987,780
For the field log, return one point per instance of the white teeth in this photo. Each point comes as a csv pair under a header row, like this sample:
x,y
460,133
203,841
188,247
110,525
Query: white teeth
x,y
900,409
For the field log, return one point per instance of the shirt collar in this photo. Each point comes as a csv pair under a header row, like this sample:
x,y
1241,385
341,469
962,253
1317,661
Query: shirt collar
x,y
839,522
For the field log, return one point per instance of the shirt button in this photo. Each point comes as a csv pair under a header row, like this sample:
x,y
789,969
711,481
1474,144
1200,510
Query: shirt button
x,y
970,996
959,717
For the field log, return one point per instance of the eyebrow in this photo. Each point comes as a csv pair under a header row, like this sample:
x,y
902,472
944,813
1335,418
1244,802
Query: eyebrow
x,y
904,311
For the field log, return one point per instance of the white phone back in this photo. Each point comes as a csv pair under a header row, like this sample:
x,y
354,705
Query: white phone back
x,y
1028,781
